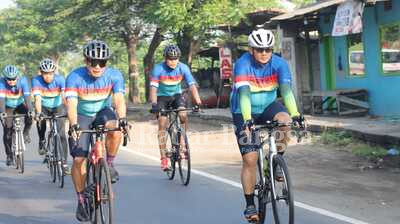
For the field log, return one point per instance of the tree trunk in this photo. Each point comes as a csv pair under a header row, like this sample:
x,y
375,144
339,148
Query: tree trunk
x,y
148,60
131,43
184,40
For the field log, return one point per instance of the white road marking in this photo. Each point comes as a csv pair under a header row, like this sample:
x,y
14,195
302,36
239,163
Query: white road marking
x,y
238,185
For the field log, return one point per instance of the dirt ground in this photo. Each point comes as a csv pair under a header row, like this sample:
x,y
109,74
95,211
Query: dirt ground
x,y
324,176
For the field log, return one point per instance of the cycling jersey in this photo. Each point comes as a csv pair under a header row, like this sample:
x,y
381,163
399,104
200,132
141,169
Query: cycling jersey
x,y
50,92
94,94
168,80
263,81
14,96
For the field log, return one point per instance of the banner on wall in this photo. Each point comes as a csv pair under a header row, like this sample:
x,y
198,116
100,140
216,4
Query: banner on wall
x,y
225,58
348,19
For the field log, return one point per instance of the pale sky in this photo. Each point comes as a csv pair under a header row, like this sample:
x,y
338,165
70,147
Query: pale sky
x,y
5,3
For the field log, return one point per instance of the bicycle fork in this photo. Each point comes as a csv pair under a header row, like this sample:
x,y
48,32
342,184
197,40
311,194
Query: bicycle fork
x,y
19,143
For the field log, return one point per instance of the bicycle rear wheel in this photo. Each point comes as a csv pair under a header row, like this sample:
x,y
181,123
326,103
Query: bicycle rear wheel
x,y
184,159
282,197
105,193
171,153
59,161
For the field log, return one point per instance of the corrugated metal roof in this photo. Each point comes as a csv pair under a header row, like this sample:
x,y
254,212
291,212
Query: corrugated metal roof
x,y
312,8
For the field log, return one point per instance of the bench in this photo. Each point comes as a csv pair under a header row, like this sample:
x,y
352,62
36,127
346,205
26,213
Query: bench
x,y
347,101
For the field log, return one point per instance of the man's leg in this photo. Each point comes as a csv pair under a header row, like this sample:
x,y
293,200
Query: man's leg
x,y
282,135
7,136
184,124
41,126
249,166
22,109
108,118
163,102
79,150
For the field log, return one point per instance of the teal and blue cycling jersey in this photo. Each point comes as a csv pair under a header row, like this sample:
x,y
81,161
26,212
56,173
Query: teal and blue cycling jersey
x,y
168,80
50,93
262,79
14,96
94,94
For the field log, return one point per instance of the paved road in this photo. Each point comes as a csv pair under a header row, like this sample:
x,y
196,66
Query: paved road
x,y
143,195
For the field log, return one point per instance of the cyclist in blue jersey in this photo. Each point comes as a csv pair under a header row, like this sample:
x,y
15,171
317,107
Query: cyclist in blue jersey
x,y
14,98
89,93
257,76
166,92
48,92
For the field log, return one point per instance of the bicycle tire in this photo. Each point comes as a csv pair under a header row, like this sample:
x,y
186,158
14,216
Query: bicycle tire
x,y
184,163
262,193
171,154
13,151
50,159
287,194
21,163
59,161
106,204
90,192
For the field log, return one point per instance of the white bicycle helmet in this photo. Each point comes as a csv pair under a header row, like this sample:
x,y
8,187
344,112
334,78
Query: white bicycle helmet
x,y
261,38
47,65
97,49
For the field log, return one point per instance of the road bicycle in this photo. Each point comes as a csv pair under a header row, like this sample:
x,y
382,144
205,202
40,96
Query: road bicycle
x,y
18,145
177,150
98,191
270,188
55,158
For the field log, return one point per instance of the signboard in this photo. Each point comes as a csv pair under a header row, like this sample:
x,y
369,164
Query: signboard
x,y
348,18
225,61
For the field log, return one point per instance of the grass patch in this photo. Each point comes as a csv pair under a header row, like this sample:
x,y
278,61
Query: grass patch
x,y
371,152
336,138
344,139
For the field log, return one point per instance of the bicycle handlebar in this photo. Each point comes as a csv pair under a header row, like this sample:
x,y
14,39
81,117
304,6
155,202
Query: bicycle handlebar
x,y
271,125
54,116
179,110
101,130
15,116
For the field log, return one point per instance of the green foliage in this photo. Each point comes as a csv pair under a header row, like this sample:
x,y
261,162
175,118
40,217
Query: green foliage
x,y
340,138
368,151
344,139
29,35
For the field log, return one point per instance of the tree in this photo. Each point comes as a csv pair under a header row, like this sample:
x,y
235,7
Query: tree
x,y
115,20
30,33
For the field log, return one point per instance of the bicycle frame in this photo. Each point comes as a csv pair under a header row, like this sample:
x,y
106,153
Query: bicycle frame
x,y
273,151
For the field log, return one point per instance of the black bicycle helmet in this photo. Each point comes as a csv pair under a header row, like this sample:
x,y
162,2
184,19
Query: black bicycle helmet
x,y
97,49
172,51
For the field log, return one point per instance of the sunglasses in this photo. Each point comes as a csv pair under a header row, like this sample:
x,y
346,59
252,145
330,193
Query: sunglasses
x,y
95,62
261,50
10,79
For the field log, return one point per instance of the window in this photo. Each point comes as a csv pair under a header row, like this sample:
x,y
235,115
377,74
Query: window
x,y
356,55
390,48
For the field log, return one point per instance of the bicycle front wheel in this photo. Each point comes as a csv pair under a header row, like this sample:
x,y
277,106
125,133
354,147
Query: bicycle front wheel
x,y
51,159
90,191
282,196
261,190
20,156
184,159
59,161
105,193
